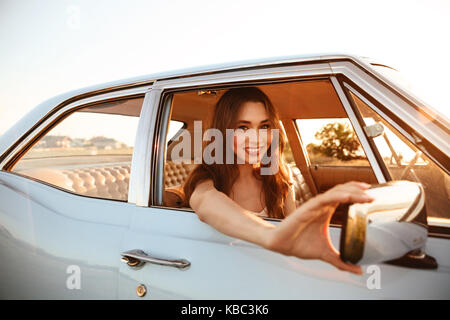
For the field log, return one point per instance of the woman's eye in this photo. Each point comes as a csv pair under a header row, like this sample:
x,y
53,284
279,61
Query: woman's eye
x,y
265,126
243,128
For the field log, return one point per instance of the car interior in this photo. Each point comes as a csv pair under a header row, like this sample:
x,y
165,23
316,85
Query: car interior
x,y
312,99
104,178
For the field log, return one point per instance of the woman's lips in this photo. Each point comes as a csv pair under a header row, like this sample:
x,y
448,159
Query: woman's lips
x,y
252,151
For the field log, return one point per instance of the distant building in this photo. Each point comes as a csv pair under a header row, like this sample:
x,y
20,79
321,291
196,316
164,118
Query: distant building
x,y
106,143
54,142
51,141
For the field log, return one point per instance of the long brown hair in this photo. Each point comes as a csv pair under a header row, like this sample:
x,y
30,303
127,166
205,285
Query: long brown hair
x,y
223,175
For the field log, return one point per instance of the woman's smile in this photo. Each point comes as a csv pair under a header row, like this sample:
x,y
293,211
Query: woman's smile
x,y
254,151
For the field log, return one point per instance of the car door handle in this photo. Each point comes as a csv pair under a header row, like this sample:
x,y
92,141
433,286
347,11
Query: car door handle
x,y
137,258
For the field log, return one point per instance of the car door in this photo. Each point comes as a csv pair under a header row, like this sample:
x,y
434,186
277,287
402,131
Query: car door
x,y
64,207
187,258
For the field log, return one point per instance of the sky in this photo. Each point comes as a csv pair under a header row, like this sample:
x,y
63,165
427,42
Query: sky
x,y
51,47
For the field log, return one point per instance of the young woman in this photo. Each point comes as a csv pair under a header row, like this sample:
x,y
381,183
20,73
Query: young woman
x,y
232,196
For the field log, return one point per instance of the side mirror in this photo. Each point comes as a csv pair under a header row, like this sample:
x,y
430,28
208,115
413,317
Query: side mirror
x,y
393,226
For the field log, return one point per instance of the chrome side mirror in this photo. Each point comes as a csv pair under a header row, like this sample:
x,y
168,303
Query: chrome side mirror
x,y
393,226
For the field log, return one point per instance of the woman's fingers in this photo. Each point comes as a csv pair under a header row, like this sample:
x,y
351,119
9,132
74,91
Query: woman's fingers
x,y
348,193
333,258
310,222
323,206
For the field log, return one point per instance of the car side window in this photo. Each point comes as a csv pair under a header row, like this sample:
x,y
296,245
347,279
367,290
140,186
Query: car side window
x,y
302,105
88,152
333,151
405,161
331,142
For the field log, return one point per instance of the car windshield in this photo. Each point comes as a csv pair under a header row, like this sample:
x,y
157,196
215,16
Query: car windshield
x,y
397,78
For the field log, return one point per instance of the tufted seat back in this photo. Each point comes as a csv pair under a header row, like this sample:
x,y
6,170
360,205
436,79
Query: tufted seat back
x,y
177,173
102,182
111,182
302,191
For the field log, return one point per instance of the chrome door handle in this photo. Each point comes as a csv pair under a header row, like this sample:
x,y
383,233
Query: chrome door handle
x,y
137,258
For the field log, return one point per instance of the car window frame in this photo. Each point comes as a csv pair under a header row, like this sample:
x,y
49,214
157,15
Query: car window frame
x,y
329,71
57,115
163,115
403,108
435,230
338,76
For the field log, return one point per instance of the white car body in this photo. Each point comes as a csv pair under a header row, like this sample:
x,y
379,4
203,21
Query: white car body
x,y
47,234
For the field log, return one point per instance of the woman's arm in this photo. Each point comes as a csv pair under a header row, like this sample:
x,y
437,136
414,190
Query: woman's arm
x,y
222,213
303,234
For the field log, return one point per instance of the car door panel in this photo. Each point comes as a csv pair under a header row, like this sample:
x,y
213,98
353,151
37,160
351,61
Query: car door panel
x,y
226,268
221,267
327,177
46,233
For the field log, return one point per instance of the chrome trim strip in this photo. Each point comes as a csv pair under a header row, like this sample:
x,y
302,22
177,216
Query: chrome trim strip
x,y
161,150
359,131
270,72
439,222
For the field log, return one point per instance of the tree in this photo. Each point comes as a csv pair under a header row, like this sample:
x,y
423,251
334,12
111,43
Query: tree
x,y
338,140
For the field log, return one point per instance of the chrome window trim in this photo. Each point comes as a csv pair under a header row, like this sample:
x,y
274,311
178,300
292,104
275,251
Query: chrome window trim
x,y
263,73
161,149
408,112
359,131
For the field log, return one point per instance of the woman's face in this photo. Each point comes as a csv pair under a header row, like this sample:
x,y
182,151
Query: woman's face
x,y
252,133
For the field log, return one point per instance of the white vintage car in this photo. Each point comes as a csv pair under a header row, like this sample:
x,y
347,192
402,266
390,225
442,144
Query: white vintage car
x,y
89,202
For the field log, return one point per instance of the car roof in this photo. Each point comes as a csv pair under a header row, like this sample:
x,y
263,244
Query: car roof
x,y
38,112
29,120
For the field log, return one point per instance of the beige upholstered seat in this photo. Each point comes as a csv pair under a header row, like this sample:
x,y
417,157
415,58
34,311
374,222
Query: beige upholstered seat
x,y
177,173
108,182
302,191
111,182
102,182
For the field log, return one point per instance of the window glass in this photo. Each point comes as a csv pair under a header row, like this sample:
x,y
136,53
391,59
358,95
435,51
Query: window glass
x,y
405,161
331,142
88,152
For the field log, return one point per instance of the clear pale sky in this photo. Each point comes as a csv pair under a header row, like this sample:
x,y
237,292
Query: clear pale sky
x,y
50,47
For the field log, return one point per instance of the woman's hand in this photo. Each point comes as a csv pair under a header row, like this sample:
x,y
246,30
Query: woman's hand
x,y
304,233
